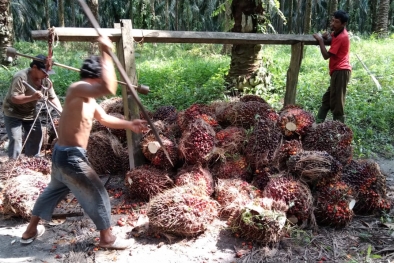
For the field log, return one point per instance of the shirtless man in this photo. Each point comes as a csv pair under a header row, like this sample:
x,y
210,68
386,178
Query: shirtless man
x,y
71,170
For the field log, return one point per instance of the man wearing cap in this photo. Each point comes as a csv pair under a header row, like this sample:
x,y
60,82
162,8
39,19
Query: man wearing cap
x,y
19,108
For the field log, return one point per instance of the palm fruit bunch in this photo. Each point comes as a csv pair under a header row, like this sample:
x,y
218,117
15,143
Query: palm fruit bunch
x,y
261,221
262,177
244,114
234,167
107,154
194,112
293,193
180,212
113,105
21,192
167,114
263,143
334,137
231,140
233,194
153,151
333,204
221,111
366,179
286,150
252,97
197,142
146,181
119,133
314,167
196,175
295,121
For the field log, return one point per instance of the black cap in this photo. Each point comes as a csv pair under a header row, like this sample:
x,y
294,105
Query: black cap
x,y
41,65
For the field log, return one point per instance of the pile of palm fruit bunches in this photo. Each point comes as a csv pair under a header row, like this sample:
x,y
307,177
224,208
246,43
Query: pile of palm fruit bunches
x,y
260,169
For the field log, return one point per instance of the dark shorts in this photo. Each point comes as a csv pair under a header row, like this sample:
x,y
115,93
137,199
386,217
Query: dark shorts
x,y
71,171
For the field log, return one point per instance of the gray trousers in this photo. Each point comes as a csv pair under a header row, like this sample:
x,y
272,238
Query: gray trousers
x,y
334,98
16,128
71,171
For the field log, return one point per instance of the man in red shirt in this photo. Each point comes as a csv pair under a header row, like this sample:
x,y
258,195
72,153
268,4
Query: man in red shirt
x,y
340,69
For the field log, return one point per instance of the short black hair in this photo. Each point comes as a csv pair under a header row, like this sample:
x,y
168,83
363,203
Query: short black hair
x,y
91,68
341,15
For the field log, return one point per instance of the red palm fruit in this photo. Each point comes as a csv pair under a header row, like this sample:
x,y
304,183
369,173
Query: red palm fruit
x,y
195,175
153,151
235,167
295,121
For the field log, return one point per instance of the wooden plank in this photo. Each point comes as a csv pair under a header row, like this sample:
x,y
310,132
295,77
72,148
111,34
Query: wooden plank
x,y
161,36
297,51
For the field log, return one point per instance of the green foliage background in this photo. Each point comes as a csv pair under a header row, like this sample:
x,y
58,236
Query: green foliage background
x,y
183,74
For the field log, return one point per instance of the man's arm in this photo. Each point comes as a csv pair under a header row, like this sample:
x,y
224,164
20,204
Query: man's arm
x,y
108,74
112,122
18,93
326,55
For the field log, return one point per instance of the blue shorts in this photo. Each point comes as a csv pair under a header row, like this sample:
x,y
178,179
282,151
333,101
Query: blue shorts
x,y
71,171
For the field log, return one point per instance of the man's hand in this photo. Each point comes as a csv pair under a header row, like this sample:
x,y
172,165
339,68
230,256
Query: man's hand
x,y
318,37
325,35
37,95
106,44
138,126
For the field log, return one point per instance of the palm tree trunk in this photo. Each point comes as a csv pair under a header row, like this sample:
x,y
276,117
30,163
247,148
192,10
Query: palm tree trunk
x,y
94,7
382,18
61,13
246,60
373,14
291,17
6,30
308,16
47,16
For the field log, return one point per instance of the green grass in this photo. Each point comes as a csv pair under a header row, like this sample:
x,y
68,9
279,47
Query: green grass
x,y
183,74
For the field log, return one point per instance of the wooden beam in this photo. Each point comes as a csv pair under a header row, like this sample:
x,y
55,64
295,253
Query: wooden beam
x,y
125,53
161,36
297,52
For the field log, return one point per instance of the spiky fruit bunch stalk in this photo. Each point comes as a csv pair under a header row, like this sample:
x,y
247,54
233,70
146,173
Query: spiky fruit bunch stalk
x,y
263,143
106,153
153,151
231,140
118,133
294,193
333,204
286,150
244,114
251,97
167,114
260,223
295,121
314,167
21,192
221,111
233,194
334,137
179,212
235,167
145,182
196,175
197,143
113,105
194,112
365,177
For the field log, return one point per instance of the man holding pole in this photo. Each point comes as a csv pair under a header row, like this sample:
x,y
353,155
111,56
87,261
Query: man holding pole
x,y
71,170
19,108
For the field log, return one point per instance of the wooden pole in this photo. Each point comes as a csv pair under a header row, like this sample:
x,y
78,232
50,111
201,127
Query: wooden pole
x,y
297,52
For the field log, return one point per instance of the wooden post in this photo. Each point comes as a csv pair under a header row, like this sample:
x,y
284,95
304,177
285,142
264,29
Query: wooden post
x,y
125,53
297,52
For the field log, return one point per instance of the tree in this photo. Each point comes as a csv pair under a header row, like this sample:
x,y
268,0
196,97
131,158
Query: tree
x,y
246,60
382,18
6,29
308,17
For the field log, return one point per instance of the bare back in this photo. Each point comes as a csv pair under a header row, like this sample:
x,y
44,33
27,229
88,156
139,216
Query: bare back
x,y
76,120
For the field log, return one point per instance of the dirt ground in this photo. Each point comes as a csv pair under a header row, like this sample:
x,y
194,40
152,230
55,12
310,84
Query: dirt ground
x,y
74,239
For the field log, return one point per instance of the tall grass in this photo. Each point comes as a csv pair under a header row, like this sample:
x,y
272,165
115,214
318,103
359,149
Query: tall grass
x,y
183,74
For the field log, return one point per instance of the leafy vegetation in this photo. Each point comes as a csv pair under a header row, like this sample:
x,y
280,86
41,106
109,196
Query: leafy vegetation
x,y
183,74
